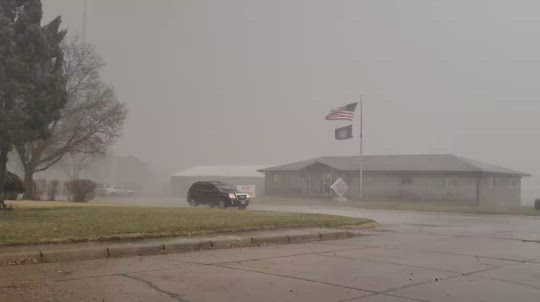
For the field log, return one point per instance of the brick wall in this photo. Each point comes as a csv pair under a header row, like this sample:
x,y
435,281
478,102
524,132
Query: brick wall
x,y
419,186
500,191
431,187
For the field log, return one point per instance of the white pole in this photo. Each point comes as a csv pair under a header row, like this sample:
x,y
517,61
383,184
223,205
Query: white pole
x,y
84,21
361,151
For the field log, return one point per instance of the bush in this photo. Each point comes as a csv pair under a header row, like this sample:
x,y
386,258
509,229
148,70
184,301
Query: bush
x,y
13,184
80,190
537,204
12,195
52,189
40,187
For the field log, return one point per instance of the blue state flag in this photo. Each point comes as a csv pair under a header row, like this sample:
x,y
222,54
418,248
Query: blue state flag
x,y
344,133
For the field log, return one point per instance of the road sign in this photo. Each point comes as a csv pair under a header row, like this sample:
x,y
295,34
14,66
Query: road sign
x,y
340,187
249,189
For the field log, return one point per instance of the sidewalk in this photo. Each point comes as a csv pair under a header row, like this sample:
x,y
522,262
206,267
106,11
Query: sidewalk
x,y
10,255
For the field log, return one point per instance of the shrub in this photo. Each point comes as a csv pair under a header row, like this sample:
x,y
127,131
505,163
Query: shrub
x,y
40,187
12,195
13,184
80,190
52,189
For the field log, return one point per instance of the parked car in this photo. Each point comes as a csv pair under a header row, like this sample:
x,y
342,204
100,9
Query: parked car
x,y
215,193
101,190
116,190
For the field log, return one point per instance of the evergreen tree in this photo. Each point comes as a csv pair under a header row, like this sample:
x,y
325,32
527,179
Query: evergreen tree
x,y
32,84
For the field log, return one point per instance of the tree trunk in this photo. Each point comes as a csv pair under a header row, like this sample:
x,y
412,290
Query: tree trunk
x,y
4,149
28,184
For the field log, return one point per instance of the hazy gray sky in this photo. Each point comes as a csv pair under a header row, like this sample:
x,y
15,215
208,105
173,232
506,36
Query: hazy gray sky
x,y
250,81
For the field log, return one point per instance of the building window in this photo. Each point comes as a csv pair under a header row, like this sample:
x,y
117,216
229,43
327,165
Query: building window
x,y
514,183
406,180
491,182
276,178
450,181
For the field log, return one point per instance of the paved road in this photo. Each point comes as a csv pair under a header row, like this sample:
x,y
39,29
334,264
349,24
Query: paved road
x,y
413,256
507,226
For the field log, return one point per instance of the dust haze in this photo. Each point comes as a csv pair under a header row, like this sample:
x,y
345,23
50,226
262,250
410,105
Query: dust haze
x,y
249,82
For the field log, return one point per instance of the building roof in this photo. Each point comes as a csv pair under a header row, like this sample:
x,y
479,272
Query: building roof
x,y
224,171
403,163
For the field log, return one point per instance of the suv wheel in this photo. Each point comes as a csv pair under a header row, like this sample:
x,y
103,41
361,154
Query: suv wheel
x,y
193,202
222,204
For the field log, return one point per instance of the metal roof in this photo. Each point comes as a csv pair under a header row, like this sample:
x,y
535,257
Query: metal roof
x,y
224,171
409,163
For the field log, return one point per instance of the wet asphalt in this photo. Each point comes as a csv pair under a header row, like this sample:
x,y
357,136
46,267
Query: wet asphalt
x,y
411,256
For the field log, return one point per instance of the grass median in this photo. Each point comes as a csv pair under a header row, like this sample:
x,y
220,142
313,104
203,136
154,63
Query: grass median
x,y
447,206
44,222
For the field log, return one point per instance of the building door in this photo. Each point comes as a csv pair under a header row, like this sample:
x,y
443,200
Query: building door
x,y
315,184
320,178
320,182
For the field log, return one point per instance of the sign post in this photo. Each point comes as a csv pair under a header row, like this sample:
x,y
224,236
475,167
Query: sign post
x,y
249,189
341,188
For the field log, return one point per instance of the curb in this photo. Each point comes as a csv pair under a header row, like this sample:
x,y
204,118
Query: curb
x,y
172,246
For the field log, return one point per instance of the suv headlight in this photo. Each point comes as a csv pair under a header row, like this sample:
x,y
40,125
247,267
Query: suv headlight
x,y
232,196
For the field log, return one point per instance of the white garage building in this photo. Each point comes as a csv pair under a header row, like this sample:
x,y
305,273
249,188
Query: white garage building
x,y
232,174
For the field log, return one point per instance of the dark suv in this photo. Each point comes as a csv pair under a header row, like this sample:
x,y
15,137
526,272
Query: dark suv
x,y
216,193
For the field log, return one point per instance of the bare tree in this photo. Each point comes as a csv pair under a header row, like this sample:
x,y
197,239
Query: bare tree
x,y
39,188
74,163
90,122
52,189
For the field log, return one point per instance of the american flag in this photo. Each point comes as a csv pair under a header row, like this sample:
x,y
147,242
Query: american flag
x,y
344,113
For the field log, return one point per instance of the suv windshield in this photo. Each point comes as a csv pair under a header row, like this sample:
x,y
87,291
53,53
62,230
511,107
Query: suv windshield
x,y
225,187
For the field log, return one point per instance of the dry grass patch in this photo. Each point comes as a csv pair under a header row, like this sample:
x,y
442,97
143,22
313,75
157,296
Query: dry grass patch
x,y
40,222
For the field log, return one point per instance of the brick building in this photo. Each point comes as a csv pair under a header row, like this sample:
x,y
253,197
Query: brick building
x,y
442,177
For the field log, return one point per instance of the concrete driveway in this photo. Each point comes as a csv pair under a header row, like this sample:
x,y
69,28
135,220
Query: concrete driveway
x,y
413,256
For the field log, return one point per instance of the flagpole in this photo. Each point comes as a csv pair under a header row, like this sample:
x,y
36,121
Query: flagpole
x,y
361,150
84,22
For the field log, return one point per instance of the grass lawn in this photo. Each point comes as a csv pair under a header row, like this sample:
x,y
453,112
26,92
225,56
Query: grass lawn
x,y
443,207
43,222
452,207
